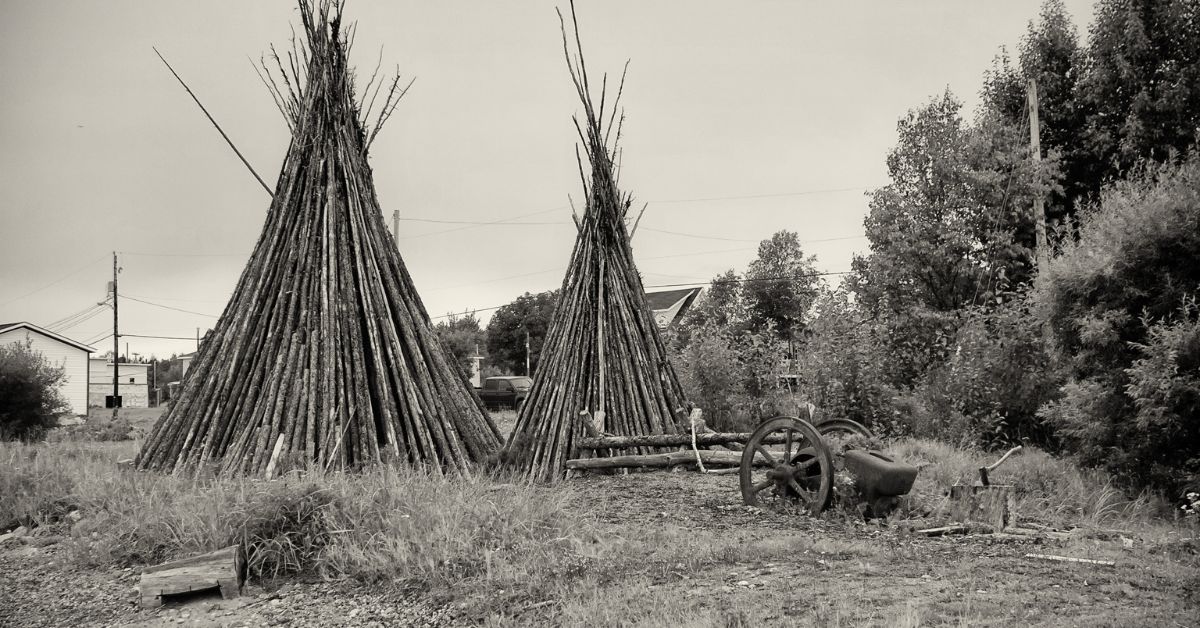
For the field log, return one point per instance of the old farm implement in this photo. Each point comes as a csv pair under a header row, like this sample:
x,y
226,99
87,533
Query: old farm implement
x,y
785,461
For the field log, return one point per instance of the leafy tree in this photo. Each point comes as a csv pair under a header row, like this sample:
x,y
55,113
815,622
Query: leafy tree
x,y
30,401
529,313
952,230
781,285
720,304
463,337
1141,91
1113,302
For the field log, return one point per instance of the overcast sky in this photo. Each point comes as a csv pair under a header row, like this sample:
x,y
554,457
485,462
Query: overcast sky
x,y
743,118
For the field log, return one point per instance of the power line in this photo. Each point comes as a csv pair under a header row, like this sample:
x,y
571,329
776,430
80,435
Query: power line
x,y
167,307
192,338
481,222
95,312
76,315
682,285
139,254
56,281
773,195
493,222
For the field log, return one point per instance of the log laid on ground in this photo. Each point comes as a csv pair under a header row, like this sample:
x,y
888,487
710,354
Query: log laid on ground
x,y
223,569
667,440
943,531
672,459
1068,559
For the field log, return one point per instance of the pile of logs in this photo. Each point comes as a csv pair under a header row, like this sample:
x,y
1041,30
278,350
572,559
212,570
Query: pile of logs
x,y
603,355
325,354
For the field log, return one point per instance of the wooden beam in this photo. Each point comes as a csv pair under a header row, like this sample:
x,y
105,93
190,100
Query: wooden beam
x,y
675,458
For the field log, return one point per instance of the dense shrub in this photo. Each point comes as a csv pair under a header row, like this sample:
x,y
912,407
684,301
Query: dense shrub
x,y
30,401
841,365
989,390
1112,300
733,376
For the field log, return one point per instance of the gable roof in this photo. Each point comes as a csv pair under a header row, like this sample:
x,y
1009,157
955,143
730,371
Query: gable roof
x,y
47,333
667,298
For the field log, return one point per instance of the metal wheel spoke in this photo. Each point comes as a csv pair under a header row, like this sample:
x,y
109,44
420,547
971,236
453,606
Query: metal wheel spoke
x,y
803,494
807,463
766,454
787,445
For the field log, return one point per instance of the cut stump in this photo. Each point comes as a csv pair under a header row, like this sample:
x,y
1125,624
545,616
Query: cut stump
x,y
223,569
983,504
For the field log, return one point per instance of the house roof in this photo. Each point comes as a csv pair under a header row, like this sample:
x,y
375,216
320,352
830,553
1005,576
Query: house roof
x,y
47,333
667,298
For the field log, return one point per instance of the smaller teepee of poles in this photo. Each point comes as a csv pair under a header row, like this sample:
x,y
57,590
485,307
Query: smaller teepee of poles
x,y
324,354
603,360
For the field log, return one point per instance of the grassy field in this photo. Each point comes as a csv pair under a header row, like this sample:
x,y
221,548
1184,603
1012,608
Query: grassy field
x,y
638,549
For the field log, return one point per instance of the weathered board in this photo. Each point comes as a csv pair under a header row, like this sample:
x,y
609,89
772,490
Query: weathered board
x,y
223,569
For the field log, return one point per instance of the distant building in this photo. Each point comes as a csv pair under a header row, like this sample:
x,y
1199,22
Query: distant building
x,y
185,361
134,384
669,306
59,351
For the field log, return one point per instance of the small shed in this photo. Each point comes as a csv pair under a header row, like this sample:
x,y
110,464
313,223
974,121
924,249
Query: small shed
x,y
59,351
669,306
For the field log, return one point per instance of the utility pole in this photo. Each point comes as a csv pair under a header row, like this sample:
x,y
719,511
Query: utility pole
x,y
527,372
116,395
1039,209
396,227
197,339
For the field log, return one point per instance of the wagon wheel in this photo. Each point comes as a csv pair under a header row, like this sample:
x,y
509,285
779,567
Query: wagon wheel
x,y
786,462
843,426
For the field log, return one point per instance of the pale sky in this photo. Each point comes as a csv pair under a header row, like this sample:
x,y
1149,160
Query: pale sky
x,y
742,118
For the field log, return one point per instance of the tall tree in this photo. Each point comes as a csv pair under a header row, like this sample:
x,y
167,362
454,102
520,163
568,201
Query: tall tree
x,y
506,332
781,284
1141,90
953,229
463,338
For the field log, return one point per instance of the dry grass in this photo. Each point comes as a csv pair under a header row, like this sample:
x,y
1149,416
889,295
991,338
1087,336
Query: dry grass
x,y
509,553
1051,491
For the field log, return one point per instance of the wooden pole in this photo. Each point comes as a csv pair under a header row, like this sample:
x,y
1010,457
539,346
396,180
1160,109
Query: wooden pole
x,y
396,227
1039,210
116,343
214,123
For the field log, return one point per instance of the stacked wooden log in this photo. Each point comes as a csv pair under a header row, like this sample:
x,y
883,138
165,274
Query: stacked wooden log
x,y
324,354
603,357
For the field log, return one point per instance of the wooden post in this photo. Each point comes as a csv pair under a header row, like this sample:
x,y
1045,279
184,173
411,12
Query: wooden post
x,y
1039,209
116,344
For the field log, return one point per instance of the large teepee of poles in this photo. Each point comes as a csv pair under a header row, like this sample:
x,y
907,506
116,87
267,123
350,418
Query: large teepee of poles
x,y
325,354
604,365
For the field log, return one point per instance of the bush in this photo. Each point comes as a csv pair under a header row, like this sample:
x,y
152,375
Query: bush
x,y
988,392
733,376
30,401
1112,299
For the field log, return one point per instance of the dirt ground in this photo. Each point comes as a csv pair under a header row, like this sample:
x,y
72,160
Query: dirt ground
x,y
776,569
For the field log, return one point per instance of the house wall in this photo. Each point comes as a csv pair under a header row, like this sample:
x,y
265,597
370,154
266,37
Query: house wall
x,y
73,360
134,394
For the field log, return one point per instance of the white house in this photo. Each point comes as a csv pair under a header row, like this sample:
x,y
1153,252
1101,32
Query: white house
x,y
59,351
134,386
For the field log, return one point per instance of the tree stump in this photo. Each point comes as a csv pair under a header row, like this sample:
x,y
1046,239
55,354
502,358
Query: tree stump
x,y
223,569
983,504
